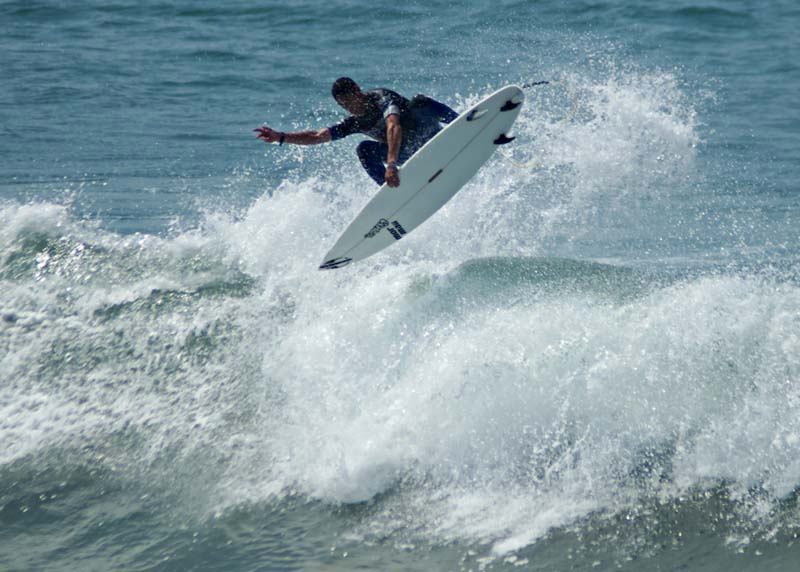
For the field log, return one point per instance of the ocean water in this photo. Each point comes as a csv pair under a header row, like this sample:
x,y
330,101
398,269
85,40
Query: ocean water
x,y
589,359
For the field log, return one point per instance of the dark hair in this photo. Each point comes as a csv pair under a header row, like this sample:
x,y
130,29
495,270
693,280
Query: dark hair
x,y
342,87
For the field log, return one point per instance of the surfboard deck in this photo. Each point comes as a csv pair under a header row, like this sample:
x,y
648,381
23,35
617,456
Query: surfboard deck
x,y
429,178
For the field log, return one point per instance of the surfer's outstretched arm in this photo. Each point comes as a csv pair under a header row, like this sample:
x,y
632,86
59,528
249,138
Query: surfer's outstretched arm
x,y
269,135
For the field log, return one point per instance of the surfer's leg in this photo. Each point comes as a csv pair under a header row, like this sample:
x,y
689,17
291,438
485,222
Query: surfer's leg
x,y
372,155
429,115
444,113
433,110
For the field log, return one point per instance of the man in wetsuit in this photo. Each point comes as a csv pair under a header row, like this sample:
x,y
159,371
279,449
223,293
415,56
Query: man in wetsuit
x,y
398,126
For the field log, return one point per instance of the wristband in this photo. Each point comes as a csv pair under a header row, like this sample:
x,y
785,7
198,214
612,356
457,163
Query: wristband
x,y
391,165
282,139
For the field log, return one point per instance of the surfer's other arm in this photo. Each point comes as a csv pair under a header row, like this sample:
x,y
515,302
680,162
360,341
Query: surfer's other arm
x,y
313,137
394,138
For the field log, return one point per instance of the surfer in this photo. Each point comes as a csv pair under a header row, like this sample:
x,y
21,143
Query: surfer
x,y
399,127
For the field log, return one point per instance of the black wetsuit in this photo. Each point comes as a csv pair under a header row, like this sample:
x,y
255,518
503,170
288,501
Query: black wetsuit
x,y
420,119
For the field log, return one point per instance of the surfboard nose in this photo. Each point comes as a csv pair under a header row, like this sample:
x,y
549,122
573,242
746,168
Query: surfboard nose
x,y
334,263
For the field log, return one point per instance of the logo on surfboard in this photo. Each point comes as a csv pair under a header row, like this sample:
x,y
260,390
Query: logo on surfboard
x,y
383,223
395,229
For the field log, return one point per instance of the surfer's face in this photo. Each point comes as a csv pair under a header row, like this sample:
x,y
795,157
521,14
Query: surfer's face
x,y
355,102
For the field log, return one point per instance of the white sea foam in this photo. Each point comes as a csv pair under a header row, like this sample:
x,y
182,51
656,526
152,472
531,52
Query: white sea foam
x,y
43,218
544,394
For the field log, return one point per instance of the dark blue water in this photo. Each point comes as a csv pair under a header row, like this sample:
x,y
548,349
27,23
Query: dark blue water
x,y
587,360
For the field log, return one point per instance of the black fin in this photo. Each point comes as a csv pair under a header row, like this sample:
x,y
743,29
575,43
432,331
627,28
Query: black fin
x,y
436,174
476,114
503,139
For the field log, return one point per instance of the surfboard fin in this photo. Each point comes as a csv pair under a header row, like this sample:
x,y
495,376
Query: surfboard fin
x,y
509,105
503,139
476,113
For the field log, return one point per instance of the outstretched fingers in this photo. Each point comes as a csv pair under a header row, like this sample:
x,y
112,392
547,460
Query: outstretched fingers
x,y
265,133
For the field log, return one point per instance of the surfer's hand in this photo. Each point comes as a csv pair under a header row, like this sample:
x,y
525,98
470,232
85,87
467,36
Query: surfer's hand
x,y
267,135
392,177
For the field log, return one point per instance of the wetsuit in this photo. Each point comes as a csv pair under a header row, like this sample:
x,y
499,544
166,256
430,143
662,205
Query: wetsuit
x,y
420,119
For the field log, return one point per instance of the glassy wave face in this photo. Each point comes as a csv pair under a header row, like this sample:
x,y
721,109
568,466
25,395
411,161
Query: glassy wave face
x,y
590,358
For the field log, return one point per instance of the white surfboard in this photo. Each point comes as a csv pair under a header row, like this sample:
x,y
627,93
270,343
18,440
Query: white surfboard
x,y
429,178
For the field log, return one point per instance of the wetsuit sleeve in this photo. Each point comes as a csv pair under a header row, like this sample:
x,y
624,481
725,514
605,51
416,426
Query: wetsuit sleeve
x,y
346,127
391,104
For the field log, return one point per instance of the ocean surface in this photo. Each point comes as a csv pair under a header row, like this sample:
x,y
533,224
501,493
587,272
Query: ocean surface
x,y
588,360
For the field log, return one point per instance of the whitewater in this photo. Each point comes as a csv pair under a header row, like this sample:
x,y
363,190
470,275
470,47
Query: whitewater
x,y
588,359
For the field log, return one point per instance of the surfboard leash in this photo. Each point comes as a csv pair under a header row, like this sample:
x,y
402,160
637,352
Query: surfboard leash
x,y
531,84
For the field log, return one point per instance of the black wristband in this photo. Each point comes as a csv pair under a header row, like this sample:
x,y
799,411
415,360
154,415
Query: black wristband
x,y
282,139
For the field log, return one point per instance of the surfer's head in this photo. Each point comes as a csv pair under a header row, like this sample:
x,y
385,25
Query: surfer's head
x,y
347,94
